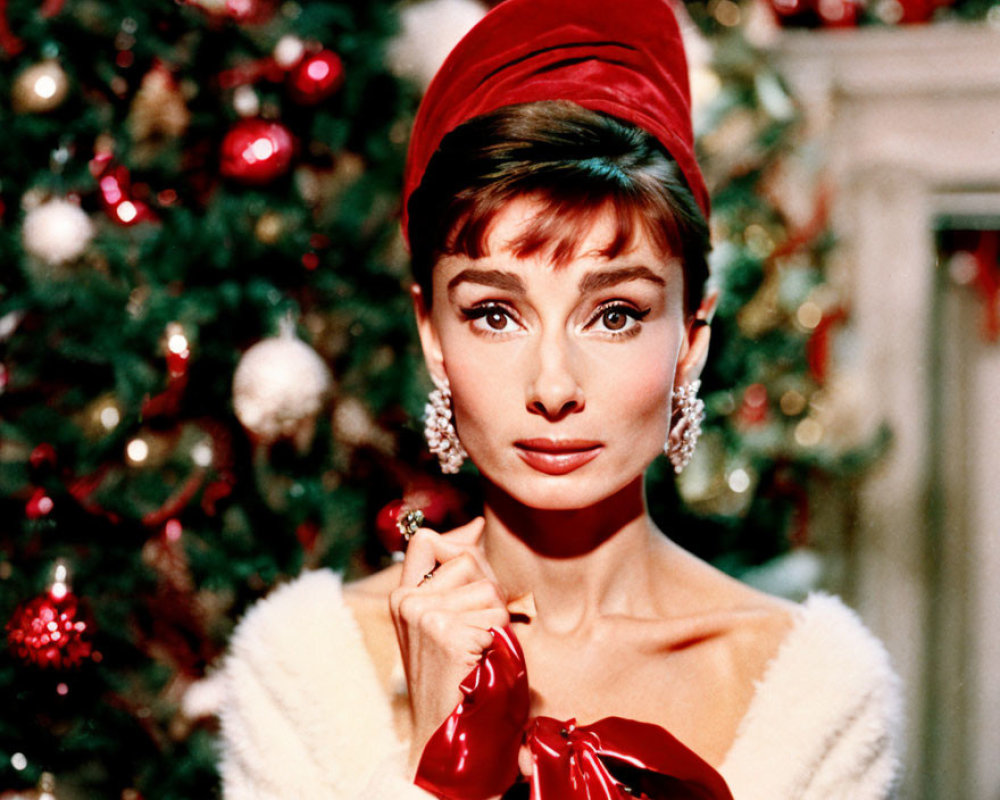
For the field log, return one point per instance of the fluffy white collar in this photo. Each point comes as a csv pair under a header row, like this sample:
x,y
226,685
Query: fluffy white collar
x,y
303,705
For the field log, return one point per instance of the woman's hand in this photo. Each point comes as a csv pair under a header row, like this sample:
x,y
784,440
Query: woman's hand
x,y
448,599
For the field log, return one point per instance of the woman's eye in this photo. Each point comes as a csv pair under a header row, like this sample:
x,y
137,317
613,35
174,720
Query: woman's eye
x,y
490,319
618,318
497,320
614,319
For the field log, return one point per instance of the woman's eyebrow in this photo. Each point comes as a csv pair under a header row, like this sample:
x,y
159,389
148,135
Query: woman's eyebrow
x,y
496,278
601,279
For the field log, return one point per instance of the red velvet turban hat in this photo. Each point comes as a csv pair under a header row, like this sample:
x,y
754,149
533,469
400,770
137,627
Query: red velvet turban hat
x,y
622,57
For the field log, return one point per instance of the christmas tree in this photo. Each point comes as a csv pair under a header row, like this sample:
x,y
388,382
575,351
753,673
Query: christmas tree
x,y
207,355
209,379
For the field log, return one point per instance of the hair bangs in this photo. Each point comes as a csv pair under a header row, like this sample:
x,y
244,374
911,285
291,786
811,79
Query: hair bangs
x,y
562,222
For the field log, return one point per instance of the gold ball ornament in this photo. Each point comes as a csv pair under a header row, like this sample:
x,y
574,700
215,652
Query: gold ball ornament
x,y
40,88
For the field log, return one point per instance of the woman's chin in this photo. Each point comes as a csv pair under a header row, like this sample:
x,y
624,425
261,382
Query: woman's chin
x,y
559,493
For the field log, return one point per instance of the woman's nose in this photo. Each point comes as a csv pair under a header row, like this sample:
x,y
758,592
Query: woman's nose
x,y
555,390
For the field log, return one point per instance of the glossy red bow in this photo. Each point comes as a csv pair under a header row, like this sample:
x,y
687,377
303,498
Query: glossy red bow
x,y
473,755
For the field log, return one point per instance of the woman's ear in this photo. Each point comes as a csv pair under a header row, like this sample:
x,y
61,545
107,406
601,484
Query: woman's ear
x,y
699,334
430,343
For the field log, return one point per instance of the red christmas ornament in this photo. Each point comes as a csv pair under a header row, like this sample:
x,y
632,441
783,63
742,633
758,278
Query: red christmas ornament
x,y
385,525
436,504
256,151
51,630
316,77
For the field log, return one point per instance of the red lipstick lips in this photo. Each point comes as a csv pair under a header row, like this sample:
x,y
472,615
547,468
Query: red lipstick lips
x,y
557,457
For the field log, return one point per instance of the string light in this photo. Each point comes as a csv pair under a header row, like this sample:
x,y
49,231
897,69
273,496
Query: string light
x,y
178,349
739,480
45,87
177,342
808,432
59,587
137,451
809,315
126,211
726,12
792,402
110,416
201,454
246,101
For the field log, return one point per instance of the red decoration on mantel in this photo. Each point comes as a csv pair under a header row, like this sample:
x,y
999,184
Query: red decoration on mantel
x,y
904,12
816,13
820,343
846,13
973,259
987,282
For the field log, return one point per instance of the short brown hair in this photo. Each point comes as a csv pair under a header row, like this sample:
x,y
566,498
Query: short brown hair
x,y
577,162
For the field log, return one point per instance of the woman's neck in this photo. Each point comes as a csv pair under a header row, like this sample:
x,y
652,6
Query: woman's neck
x,y
578,565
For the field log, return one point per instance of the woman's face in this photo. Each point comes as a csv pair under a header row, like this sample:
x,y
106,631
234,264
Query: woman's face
x,y
561,376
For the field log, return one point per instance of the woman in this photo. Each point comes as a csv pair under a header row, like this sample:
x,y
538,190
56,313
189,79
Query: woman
x,y
560,645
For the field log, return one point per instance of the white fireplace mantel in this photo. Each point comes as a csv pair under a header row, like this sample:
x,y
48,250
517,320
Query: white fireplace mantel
x,y
908,120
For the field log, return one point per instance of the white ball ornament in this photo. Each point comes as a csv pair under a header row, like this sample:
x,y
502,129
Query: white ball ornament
x,y
279,388
56,231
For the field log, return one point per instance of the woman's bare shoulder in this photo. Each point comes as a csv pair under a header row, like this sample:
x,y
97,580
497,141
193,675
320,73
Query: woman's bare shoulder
x,y
747,626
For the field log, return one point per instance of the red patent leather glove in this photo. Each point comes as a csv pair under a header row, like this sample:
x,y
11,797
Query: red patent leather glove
x,y
473,755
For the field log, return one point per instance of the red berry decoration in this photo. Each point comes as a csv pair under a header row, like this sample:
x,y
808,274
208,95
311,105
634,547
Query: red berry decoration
x,y
316,77
51,630
256,151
